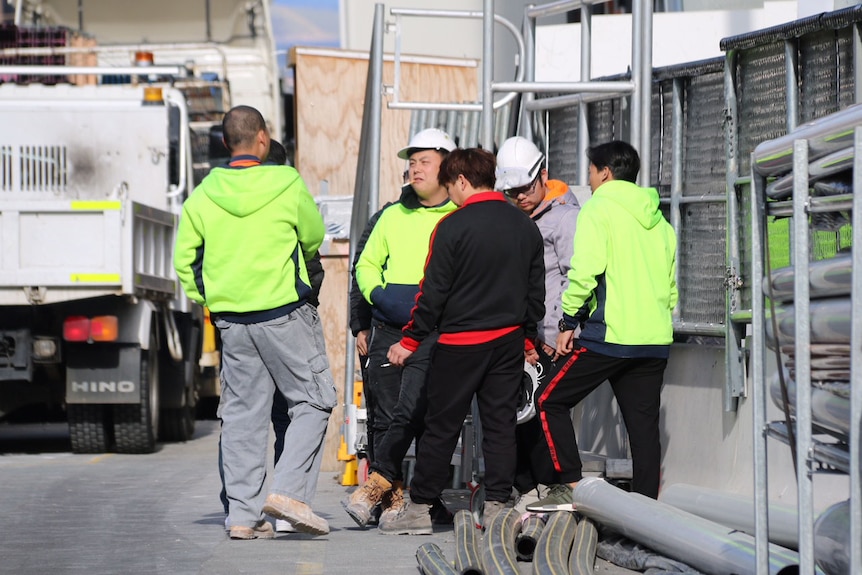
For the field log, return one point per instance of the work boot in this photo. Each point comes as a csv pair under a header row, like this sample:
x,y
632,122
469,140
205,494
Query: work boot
x,y
361,502
392,503
559,499
263,530
491,510
298,513
414,519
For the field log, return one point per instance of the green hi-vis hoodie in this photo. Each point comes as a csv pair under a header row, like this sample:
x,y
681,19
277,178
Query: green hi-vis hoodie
x,y
624,268
392,262
243,239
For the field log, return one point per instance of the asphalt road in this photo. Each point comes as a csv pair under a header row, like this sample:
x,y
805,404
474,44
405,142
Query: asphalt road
x,y
151,514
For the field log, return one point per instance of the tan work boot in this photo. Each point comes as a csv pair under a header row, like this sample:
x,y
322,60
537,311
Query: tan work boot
x,y
414,519
392,502
298,513
361,502
262,530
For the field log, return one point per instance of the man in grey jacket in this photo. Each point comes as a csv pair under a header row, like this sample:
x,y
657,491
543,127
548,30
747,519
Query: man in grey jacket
x,y
523,178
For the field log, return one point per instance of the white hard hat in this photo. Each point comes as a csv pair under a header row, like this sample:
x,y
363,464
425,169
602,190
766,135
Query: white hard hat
x,y
527,395
519,161
430,139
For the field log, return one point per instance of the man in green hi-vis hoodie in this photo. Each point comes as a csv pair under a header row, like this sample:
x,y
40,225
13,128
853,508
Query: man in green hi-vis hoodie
x,y
242,242
622,292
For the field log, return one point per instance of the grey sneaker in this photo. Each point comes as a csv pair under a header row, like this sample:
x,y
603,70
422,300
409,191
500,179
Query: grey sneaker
x,y
559,499
491,510
413,519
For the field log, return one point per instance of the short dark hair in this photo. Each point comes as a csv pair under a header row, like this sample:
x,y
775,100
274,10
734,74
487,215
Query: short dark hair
x,y
620,157
277,153
240,126
475,164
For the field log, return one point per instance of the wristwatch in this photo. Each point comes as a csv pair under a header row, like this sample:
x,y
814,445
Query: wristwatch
x,y
563,326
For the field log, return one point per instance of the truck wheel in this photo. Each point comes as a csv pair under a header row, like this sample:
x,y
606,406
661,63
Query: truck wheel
x,y
136,425
178,424
88,428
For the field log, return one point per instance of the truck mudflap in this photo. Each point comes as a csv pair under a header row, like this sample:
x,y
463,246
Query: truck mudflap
x,y
103,375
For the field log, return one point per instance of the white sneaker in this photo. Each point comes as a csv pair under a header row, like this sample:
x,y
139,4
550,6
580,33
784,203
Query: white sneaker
x,y
284,526
227,523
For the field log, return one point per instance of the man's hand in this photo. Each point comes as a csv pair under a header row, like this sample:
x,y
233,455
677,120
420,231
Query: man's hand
x,y
565,343
362,341
398,354
531,356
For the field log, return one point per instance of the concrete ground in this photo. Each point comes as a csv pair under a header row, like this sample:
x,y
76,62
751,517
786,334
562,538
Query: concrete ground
x,y
160,513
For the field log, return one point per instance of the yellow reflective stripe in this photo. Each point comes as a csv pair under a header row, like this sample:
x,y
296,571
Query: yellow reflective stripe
x,y
95,278
96,205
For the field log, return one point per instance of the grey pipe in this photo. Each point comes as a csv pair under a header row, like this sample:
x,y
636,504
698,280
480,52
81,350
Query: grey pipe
x,y
432,561
525,542
703,544
583,555
827,278
498,546
552,550
467,559
733,510
828,410
832,543
825,135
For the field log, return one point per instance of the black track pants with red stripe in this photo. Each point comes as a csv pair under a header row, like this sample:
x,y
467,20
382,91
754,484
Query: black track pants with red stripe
x,y
636,383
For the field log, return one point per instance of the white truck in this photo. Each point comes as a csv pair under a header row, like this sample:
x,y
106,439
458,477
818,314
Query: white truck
x,y
95,162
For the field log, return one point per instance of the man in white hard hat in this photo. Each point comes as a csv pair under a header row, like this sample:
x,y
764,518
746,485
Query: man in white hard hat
x,y
388,273
523,178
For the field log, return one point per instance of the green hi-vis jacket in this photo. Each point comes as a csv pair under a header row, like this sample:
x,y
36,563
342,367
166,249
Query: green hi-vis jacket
x,y
393,260
624,268
243,239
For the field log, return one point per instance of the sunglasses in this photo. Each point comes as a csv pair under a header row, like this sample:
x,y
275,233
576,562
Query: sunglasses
x,y
526,190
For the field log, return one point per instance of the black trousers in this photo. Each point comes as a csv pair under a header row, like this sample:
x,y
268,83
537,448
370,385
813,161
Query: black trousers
x,y
636,383
396,401
492,372
534,463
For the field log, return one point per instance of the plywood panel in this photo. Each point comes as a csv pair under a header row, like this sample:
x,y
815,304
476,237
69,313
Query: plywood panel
x,y
330,93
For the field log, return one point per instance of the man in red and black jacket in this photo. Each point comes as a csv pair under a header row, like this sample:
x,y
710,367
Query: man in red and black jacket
x,y
484,292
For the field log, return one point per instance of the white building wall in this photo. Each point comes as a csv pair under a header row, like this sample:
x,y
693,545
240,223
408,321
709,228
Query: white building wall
x,y
678,37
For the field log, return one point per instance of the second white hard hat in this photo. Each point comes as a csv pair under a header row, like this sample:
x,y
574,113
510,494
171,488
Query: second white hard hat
x,y
519,161
430,139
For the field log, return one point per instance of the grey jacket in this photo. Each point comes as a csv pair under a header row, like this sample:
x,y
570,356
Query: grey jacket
x,y
556,218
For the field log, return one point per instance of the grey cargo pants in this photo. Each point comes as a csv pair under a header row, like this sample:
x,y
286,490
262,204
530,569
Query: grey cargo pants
x,y
287,353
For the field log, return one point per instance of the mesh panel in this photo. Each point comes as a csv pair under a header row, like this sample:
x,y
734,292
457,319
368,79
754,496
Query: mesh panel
x,y
562,136
701,263
661,170
704,162
761,99
819,75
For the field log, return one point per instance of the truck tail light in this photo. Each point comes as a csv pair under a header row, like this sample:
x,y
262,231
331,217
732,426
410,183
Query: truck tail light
x,y
76,328
104,328
99,328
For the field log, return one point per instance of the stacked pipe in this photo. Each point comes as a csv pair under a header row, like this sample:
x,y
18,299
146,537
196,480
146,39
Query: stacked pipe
x,y
830,151
830,311
558,543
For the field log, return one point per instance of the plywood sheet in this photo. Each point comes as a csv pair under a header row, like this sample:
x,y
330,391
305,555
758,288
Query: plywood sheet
x,y
330,93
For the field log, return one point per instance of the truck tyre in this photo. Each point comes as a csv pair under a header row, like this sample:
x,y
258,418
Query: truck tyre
x,y
136,425
88,428
178,423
